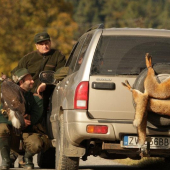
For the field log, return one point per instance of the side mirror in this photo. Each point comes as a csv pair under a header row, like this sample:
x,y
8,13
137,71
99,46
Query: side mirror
x,y
47,77
61,73
51,77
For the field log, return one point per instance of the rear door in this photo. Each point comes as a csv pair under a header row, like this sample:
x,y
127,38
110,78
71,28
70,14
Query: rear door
x,y
112,102
116,59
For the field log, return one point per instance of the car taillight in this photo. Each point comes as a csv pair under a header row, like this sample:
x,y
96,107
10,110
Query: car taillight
x,y
81,95
103,129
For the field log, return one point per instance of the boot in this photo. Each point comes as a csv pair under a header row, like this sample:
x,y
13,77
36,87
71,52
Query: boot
x,y
28,159
21,162
5,152
13,158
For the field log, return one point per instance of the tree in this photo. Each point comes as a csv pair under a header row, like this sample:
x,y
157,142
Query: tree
x,y
21,20
87,14
132,13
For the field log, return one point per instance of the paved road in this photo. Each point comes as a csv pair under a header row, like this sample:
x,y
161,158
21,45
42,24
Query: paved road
x,y
97,163
93,163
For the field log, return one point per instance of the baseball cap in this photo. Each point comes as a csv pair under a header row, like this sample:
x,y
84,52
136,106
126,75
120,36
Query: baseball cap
x,y
19,74
43,36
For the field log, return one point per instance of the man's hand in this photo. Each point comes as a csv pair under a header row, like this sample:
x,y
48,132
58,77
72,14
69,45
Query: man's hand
x,y
35,94
41,88
27,120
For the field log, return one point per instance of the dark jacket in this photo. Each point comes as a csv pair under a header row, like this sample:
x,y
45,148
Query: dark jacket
x,y
36,62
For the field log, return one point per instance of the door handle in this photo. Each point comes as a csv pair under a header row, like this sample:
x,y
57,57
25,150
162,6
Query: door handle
x,y
103,86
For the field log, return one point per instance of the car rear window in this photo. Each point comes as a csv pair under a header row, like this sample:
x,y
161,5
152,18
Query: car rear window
x,y
125,55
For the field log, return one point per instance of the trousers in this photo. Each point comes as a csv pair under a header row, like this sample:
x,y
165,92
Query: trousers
x,y
32,142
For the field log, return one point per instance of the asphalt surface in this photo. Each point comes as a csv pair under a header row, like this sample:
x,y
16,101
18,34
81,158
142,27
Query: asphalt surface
x,y
93,163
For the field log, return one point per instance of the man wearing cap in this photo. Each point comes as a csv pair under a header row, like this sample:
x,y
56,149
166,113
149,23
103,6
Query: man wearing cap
x,y
34,137
44,58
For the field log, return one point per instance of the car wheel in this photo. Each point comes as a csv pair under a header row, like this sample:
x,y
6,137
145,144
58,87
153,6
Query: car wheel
x,y
161,70
167,159
46,160
48,122
63,162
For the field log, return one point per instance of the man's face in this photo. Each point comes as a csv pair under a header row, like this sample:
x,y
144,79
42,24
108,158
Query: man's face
x,y
44,46
27,83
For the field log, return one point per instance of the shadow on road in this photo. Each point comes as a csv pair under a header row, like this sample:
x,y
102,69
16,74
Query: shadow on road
x,y
109,167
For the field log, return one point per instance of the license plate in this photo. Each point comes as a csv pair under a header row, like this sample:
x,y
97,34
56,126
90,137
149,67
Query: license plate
x,y
155,143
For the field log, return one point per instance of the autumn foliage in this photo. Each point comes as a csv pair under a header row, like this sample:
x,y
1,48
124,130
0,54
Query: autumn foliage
x,y
21,20
67,20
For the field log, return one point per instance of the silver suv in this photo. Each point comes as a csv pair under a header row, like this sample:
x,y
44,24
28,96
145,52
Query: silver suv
x,y
91,112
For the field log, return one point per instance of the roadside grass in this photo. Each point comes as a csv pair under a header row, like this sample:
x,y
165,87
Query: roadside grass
x,y
151,163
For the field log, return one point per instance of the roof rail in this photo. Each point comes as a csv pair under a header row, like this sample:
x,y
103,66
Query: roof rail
x,y
98,26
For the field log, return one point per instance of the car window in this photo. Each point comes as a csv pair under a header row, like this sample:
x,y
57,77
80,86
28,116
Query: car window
x,y
71,56
82,52
123,55
76,53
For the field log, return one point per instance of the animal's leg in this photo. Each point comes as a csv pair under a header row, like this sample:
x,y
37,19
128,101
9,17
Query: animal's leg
x,y
155,89
140,121
142,130
148,59
161,107
127,85
150,83
141,101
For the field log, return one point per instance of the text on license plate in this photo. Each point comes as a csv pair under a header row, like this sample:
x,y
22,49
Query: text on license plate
x,y
156,142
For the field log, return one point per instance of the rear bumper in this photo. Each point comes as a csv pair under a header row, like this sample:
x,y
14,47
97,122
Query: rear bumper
x,y
76,122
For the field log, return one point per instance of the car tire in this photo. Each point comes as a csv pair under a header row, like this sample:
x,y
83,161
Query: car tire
x,y
160,68
46,160
63,162
48,122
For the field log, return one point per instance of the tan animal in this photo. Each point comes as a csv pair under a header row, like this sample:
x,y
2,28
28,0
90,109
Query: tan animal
x,y
149,100
152,87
